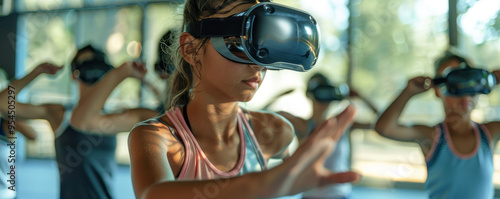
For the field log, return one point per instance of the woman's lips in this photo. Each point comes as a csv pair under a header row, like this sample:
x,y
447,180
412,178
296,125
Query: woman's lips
x,y
252,82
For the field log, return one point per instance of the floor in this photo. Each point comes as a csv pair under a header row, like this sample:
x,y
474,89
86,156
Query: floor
x,y
39,179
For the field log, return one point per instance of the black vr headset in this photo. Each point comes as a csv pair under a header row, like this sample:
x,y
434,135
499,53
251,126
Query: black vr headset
x,y
90,71
465,80
321,89
328,93
267,34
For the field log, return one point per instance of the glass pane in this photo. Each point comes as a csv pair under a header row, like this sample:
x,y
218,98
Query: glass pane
x,y
117,32
51,37
393,41
37,5
160,18
47,38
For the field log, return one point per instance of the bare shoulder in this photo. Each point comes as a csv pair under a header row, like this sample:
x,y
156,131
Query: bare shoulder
x,y
427,131
55,114
150,131
299,124
154,138
294,120
273,131
426,137
493,129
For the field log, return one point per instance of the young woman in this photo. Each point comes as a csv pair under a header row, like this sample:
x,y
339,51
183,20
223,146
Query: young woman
x,y
205,146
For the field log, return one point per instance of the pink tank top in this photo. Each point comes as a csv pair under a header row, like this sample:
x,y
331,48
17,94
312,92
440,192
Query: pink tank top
x,y
197,166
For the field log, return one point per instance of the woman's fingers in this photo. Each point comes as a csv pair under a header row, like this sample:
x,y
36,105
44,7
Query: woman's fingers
x,y
334,127
48,68
343,177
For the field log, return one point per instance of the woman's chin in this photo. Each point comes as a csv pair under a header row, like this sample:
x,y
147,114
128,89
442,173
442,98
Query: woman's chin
x,y
246,97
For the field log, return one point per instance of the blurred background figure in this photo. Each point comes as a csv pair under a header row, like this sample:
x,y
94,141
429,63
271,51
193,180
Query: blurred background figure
x,y
8,125
11,122
86,161
323,94
458,151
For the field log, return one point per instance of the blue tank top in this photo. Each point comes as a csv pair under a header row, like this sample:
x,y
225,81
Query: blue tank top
x,y
86,164
454,177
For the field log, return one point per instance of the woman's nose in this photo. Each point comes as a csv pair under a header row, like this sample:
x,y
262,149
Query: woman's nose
x,y
256,67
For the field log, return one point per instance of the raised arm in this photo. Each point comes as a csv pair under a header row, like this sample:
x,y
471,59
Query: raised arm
x,y
25,129
387,125
26,111
304,170
87,114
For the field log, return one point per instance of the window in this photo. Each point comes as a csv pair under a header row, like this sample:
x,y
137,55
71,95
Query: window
x,y
393,41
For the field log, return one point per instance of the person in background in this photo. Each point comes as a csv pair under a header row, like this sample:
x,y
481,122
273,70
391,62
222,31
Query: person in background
x,y
11,123
458,151
322,94
85,158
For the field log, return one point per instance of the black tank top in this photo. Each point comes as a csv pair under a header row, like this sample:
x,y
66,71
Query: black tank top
x,y
86,164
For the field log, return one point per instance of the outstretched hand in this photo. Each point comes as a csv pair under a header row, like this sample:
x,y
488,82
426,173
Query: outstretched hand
x,y
305,169
48,68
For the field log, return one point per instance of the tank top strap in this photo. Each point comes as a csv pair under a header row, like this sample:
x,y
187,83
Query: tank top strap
x,y
175,116
436,145
255,144
485,135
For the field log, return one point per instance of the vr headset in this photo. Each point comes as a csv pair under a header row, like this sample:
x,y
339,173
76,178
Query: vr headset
x,y
90,71
465,80
268,34
328,93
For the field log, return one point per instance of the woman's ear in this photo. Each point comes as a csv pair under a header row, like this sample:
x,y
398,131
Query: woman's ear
x,y
188,47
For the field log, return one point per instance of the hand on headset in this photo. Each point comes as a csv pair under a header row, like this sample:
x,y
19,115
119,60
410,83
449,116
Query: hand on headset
x,y
497,75
48,68
136,69
419,84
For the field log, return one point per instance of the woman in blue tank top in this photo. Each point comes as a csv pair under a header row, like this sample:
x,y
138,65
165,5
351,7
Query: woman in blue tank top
x,y
458,151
